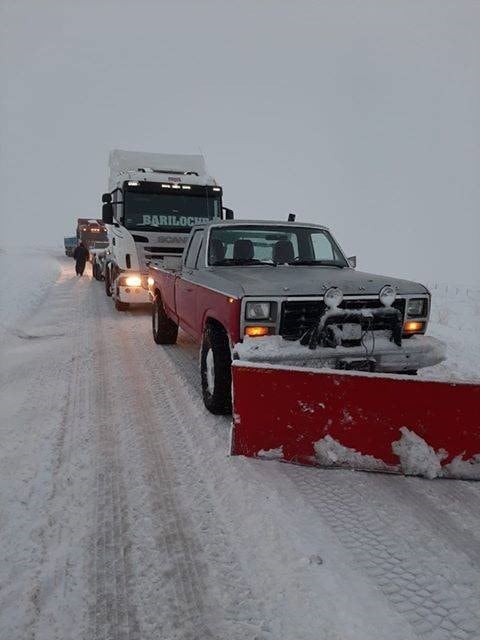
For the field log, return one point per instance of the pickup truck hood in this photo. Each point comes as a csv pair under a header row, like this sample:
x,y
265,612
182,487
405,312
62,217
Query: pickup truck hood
x,y
304,281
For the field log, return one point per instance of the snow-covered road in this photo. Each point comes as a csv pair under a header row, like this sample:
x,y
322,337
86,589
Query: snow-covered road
x,y
123,517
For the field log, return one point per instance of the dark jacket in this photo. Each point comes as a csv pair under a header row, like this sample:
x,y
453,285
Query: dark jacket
x,y
81,254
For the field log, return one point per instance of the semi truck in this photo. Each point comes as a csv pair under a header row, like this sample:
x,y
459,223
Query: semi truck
x,y
92,233
154,199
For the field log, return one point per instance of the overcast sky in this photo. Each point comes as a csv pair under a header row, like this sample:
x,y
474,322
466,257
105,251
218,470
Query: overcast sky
x,y
361,115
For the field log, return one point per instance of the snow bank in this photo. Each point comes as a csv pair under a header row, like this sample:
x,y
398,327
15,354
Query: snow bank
x,y
25,276
455,319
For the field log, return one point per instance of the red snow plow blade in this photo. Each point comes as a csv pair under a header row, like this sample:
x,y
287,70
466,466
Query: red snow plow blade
x,y
373,422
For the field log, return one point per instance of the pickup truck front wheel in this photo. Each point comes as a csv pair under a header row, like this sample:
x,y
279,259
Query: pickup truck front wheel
x,y
215,364
164,330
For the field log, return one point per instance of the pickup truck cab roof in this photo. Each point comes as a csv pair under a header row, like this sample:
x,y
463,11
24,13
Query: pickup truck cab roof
x,y
259,223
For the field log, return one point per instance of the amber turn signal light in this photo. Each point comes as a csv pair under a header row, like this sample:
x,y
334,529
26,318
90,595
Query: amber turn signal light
x,y
255,332
412,326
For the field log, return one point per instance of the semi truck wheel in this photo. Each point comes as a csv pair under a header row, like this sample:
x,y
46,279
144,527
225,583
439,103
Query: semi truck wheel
x,y
164,330
108,284
215,364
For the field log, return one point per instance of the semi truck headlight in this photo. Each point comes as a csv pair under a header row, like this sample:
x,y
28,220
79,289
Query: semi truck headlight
x,y
133,281
259,311
150,281
387,295
416,308
333,297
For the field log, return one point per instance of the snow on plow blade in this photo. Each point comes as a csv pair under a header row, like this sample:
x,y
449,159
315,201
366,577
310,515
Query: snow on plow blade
x,y
371,422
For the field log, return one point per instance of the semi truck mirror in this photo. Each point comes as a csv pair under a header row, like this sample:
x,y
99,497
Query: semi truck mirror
x,y
352,261
106,197
227,213
107,213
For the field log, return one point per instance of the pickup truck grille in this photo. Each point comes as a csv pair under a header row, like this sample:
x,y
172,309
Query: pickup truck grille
x,y
300,316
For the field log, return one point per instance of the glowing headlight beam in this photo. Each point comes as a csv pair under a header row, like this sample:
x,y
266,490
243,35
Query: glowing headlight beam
x,y
133,281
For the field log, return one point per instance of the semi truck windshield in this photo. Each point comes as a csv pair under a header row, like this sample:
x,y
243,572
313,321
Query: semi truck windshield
x,y
154,211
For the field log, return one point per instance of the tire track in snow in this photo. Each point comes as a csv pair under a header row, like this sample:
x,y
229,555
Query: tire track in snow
x,y
113,611
229,609
391,546
427,504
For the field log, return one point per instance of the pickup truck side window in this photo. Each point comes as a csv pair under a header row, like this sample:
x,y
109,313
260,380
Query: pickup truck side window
x,y
193,249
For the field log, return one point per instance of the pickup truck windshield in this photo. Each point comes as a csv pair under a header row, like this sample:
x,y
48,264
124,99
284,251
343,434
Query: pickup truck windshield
x,y
256,244
168,212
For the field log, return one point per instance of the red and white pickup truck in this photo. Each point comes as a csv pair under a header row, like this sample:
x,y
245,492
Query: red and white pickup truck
x,y
285,292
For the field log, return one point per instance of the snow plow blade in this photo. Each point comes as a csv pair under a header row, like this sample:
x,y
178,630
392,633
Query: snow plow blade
x,y
363,421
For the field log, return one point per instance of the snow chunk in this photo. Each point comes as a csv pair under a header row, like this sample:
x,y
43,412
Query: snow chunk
x,y
271,454
463,469
329,452
417,458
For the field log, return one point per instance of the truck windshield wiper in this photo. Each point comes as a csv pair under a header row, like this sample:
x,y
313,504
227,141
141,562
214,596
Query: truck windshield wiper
x,y
239,261
324,263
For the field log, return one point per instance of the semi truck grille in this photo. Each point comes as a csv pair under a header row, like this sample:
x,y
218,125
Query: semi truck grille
x,y
300,316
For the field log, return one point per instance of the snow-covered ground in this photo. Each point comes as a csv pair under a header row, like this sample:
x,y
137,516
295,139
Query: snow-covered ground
x,y
122,516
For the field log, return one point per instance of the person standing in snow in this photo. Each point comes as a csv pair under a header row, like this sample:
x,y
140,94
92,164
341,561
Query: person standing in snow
x,y
81,256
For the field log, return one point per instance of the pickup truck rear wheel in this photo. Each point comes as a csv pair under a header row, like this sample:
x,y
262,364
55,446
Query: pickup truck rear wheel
x,y
215,363
164,330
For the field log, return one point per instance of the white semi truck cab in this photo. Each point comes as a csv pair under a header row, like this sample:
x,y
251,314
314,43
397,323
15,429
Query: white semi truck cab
x,y
154,199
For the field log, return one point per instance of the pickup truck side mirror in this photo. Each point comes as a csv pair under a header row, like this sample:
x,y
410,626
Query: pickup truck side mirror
x,y
352,261
227,213
107,213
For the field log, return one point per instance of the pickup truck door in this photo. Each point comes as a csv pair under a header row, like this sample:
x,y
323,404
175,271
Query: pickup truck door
x,y
185,288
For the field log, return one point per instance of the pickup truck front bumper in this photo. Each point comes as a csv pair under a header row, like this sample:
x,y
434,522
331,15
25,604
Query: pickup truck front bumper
x,y
415,353
132,295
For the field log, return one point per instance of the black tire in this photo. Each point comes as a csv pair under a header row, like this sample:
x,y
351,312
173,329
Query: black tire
x,y
215,370
164,329
108,284
121,306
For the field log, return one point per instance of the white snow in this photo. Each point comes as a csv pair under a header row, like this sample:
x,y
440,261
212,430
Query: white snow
x,y
417,458
271,454
460,468
329,452
121,516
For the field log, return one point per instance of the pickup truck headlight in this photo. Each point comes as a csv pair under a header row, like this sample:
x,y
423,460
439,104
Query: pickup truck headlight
x,y
259,311
417,308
